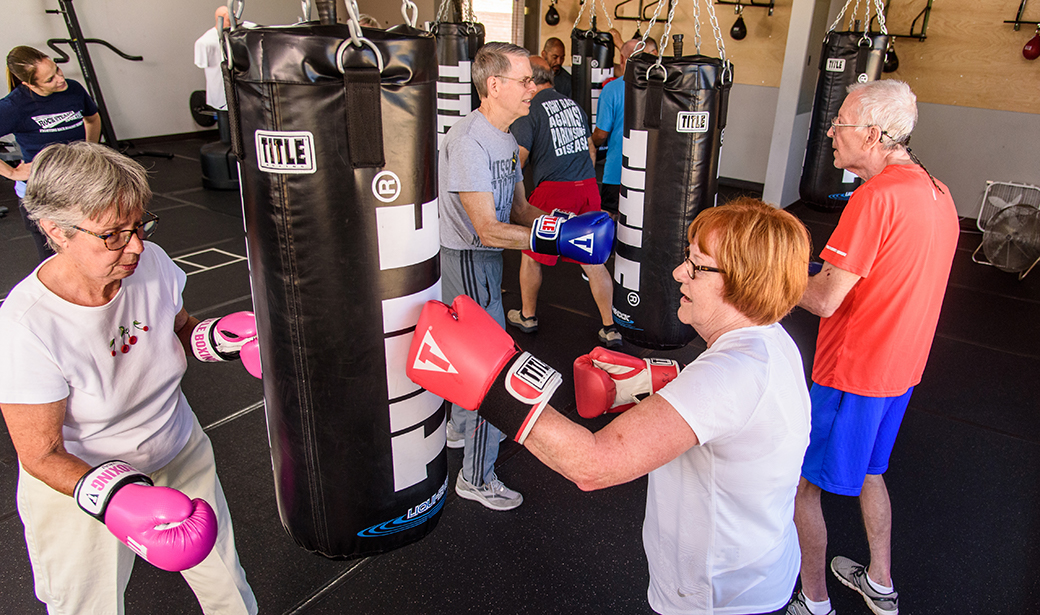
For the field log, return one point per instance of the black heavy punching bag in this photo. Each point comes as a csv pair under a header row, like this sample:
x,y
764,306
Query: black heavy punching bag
x,y
847,58
592,63
337,166
674,119
457,45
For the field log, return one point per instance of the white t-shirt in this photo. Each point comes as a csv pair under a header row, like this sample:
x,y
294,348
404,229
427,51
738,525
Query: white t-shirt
x,y
719,532
119,365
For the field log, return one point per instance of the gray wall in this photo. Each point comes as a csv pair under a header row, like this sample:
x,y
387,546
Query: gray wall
x,y
749,128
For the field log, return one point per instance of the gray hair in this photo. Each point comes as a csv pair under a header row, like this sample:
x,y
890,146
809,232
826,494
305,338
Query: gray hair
x,y
890,105
541,75
82,180
491,60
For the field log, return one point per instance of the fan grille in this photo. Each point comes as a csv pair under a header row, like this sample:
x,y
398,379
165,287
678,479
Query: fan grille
x,y
1011,240
1001,195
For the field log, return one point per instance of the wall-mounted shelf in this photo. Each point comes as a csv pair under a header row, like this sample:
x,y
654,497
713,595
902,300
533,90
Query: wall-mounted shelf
x,y
923,16
1018,18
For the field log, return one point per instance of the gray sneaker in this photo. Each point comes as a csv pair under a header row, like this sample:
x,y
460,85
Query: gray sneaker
x,y
518,320
492,494
854,576
610,337
797,605
455,437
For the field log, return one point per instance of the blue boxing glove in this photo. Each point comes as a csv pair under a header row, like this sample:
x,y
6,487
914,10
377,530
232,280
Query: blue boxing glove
x,y
588,238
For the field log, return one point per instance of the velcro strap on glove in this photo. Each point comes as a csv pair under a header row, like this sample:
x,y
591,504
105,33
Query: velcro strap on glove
x,y
545,233
526,380
96,487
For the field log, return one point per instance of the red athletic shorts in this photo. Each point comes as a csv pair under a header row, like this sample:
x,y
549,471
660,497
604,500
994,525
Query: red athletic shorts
x,y
577,197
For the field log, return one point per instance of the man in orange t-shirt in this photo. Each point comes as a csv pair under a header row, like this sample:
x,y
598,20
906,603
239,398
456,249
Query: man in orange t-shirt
x,y
878,295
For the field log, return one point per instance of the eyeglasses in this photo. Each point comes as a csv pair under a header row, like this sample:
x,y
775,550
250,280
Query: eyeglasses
x,y
692,269
119,239
836,124
524,82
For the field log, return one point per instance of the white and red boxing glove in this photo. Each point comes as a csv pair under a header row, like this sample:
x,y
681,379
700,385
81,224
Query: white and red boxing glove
x,y
228,338
461,354
165,527
609,381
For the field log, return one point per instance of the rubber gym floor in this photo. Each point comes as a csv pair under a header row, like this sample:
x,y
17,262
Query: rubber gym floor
x,y
964,476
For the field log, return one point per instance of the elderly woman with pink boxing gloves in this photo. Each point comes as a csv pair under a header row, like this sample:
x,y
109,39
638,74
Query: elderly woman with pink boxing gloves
x,y
95,344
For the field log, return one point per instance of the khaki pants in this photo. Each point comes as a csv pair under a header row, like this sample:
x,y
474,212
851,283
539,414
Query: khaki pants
x,y
80,567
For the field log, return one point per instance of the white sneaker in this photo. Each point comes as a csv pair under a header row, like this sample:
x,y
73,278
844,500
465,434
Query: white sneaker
x,y
493,494
455,437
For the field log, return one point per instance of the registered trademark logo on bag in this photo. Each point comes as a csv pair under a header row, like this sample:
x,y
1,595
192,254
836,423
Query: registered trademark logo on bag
x,y
386,186
290,152
863,78
633,299
692,121
835,65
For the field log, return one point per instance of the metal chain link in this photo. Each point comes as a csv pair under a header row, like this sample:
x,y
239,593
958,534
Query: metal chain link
x,y
880,17
406,6
719,44
697,26
581,11
356,37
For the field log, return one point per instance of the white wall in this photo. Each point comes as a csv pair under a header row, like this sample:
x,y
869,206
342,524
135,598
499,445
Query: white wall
x,y
964,147
749,128
145,98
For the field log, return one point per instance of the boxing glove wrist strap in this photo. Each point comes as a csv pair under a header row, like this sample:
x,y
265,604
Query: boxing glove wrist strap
x,y
545,234
95,488
204,346
519,395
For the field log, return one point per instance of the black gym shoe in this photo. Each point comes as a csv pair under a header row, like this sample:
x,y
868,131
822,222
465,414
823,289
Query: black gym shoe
x,y
610,337
518,320
854,576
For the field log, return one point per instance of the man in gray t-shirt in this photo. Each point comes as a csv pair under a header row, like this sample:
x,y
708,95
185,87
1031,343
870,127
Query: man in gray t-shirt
x,y
480,190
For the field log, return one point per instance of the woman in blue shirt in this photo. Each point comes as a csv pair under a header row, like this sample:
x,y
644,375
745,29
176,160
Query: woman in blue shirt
x,y
42,108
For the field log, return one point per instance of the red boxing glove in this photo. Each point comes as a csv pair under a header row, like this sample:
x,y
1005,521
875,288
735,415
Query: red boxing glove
x,y
227,339
461,354
165,527
609,381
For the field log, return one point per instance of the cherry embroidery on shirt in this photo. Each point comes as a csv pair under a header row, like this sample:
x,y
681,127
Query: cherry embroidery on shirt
x,y
127,338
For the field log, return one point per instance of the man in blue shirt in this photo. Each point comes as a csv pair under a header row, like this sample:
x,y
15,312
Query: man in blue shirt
x,y
610,127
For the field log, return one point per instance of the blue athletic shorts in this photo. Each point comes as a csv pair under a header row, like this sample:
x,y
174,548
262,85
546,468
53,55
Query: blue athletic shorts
x,y
851,436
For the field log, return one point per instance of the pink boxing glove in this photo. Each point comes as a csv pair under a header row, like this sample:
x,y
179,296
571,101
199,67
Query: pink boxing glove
x,y
227,339
162,525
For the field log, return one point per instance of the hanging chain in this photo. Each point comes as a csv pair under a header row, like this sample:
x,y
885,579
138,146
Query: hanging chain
x,y
606,13
442,11
878,8
356,37
697,26
880,17
719,44
406,7
581,11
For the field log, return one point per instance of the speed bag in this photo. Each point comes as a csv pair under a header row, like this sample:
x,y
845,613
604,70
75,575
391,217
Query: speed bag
x,y
457,45
592,63
339,191
847,58
674,120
